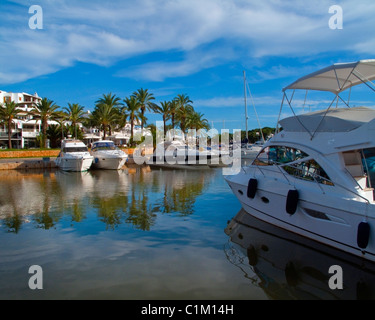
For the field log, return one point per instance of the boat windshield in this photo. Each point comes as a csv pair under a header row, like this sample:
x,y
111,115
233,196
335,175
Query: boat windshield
x,y
104,146
75,149
279,155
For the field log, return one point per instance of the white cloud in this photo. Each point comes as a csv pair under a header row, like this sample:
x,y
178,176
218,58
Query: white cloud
x,y
104,32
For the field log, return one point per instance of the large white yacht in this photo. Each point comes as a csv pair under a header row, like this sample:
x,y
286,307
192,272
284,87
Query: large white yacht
x,y
74,156
315,177
177,154
107,155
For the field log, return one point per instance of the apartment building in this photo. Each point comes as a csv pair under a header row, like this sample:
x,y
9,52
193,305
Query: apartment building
x,y
25,129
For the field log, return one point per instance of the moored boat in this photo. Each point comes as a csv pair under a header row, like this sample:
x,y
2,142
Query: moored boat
x,y
107,155
74,156
313,177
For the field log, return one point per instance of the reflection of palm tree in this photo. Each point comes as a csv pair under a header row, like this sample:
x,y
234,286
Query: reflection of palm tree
x,y
13,223
139,213
46,219
78,211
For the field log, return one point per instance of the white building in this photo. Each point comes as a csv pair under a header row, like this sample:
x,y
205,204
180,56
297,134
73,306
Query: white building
x,y
25,129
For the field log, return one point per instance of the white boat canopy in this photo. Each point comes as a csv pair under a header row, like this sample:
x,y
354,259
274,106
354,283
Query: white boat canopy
x,y
334,120
338,77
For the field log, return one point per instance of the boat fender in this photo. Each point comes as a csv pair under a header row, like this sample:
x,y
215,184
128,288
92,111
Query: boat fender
x,y
252,256
292,201
96,160
363,235
252,188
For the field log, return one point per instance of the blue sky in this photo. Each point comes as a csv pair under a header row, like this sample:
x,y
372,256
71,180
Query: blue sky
x,y
194,47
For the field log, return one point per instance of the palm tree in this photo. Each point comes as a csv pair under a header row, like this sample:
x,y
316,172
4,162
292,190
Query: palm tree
x,y
184,107
106,112
75,114
173,111
45,110
8,112
132,108
145,100
54,134
103,117
164,109
196,121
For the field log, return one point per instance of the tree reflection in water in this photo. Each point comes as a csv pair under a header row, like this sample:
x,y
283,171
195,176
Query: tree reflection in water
x,y
131,196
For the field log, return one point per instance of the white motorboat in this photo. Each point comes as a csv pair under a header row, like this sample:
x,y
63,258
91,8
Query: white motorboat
x,y
107,155
177,154
314,177
74,156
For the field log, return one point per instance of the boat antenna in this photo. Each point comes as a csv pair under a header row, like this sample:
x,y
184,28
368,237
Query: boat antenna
x,y
245,95
256,114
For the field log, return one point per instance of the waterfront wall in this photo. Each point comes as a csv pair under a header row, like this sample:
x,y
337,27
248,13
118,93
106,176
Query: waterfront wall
x,y
40,159
42,153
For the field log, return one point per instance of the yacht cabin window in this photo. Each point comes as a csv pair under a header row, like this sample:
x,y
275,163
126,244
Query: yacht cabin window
x,y
295,162
104,146
75,149
279,155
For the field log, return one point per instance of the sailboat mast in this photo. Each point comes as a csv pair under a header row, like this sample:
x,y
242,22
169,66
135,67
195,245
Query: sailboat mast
x,y
244,85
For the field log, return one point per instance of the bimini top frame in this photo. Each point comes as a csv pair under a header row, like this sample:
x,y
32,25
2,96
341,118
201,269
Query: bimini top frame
x,y
336,79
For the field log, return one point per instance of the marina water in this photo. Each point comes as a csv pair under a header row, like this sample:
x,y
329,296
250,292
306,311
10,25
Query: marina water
x,y
146,234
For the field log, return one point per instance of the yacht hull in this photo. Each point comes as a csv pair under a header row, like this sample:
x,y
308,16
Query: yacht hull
x,y
107,163
327,219
74,164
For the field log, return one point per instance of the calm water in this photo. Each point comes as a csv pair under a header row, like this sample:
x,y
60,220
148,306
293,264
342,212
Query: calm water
x,y
153,234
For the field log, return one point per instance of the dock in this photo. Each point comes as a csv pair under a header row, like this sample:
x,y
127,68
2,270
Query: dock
x,y
27,163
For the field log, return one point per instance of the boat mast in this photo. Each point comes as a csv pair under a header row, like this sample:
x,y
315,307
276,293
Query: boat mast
x,y
244,85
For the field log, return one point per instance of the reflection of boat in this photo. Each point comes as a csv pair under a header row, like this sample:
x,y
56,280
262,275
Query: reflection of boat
x,y
176,154
107,155
288,266
74,156
311,177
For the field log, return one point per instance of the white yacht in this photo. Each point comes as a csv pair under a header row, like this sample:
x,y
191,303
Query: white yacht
x,y
177,154
74,156
315,176
107,155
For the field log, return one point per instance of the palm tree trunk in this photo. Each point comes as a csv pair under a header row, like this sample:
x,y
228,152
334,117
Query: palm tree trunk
x,y
131,130
105,132
44,132
165,125
10,134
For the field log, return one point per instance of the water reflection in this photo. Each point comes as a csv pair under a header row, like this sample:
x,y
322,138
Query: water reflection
x,y
287,266
131,196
